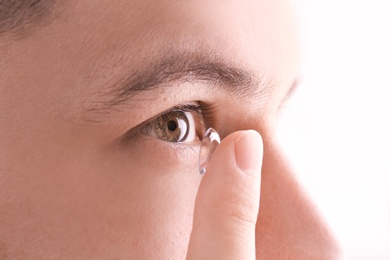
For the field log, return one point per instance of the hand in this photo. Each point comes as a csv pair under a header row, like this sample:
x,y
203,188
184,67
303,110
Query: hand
x,y
228,200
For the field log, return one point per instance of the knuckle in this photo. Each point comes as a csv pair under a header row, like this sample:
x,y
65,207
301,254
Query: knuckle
x,y
242,212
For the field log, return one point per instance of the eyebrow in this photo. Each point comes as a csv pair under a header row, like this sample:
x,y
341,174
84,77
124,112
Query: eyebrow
x,y
183,68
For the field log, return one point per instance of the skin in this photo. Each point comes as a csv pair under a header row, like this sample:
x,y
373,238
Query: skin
x,y
71,188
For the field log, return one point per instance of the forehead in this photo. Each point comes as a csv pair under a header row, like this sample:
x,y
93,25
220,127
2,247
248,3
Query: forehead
x,y
258,34
93,44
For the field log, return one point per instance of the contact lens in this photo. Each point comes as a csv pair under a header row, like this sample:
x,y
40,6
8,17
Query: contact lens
x,y
210,141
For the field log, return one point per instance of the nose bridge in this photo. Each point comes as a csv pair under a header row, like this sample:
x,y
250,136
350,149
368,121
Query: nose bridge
x,y
289,225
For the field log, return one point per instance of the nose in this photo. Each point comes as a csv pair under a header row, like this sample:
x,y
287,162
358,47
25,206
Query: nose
x,y
289,225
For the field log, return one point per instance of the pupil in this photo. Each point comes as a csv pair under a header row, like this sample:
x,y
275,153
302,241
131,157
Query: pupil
x,y
172,126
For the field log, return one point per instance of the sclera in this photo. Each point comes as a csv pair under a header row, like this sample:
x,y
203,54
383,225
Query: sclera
x,y
209,143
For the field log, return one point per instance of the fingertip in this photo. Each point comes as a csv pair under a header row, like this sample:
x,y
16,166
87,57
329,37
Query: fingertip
x,y
249,151
227,203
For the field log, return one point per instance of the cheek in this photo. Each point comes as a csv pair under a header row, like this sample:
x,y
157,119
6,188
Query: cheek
x,y
155,157
155,191
99,202
160,221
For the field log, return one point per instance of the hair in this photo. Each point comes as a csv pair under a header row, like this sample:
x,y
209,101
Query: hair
x,y
23,15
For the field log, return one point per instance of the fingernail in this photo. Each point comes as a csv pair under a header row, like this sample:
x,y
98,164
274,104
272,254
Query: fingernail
x,y
249,151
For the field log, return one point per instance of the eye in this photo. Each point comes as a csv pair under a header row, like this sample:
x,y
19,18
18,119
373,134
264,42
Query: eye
x,y
175,126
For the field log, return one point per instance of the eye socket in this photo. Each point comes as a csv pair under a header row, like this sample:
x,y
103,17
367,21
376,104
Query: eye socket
x,y
175,126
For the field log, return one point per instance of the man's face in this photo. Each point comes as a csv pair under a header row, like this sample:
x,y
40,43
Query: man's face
x,y
86,169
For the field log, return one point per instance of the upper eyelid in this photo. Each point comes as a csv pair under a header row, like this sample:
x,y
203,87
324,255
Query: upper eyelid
x,y
182,108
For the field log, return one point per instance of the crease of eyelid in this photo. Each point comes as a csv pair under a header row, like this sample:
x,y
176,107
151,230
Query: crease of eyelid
x,y
291,91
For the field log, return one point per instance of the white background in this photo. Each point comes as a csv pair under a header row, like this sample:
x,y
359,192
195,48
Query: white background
x,y
336,128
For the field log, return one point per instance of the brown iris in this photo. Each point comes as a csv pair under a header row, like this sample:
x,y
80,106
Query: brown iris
x,y
172,126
